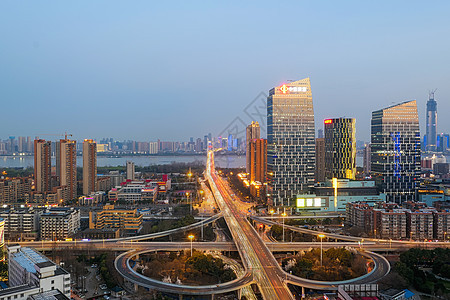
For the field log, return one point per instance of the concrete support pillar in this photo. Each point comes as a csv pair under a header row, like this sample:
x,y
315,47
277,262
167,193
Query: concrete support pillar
x,y
212,297
136,287
180,297
239,292
303,292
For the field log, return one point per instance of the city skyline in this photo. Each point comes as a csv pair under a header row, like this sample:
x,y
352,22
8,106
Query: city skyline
x,y
103,64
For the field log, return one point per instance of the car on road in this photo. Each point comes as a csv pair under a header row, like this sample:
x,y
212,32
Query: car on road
x,y
103,286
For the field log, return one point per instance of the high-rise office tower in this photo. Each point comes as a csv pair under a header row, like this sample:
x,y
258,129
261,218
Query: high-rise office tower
x,y
431,137
290,141
89,166
253,133
66,165
395,159
366,159
320,159
42,165
340,148
130,170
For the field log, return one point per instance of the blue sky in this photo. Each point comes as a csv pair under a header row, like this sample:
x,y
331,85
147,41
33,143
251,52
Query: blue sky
x,y
171,70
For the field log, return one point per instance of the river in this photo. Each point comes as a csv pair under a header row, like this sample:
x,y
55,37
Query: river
x,y
224,161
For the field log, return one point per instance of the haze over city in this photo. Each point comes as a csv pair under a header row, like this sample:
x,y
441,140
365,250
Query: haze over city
x,y
173,70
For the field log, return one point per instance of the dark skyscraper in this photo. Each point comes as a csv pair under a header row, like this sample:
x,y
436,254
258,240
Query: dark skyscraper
x,y
395,150
340,148
291,141
431,137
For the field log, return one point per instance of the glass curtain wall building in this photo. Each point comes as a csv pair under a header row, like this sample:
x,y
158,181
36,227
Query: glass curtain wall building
x,y
290,141
431,136
340,148
395,155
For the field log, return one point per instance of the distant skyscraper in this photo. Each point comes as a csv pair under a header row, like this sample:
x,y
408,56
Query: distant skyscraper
x,y
340,148
89,167
130,170
431,137
396,150
29,145
66,165
291,141
22,144
253,133
320,159
320,133
42,165
366,159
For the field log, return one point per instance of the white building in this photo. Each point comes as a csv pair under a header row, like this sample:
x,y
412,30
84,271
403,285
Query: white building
x,y
59,223
31,273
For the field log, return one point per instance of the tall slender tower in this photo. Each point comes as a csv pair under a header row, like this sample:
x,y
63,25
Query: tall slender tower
x,y
66,165
253,133
395,150
89,166
130,170
320,159
42,165
340,148
290,141
431,137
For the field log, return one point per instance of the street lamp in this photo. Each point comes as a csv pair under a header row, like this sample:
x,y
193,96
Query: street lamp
x,y
191,237
283,215
190,204
321,236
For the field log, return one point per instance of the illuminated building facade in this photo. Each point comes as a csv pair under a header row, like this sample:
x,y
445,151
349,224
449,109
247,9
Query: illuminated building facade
x,y
66,165
431,136
340,148
395,150
258,166
253,132
291,141
42,165
89,167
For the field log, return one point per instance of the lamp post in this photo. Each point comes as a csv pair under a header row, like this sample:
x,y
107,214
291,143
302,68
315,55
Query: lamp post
x,y
191,237
271,214
190,206
321,236
283,215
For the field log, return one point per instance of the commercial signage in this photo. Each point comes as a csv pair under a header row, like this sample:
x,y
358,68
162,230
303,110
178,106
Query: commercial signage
x,y
292,89
309,202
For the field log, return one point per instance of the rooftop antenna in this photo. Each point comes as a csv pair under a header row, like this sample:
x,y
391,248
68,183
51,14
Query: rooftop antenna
x,y
431,94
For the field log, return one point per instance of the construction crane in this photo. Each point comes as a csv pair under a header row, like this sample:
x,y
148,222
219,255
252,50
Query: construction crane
x,y
55,134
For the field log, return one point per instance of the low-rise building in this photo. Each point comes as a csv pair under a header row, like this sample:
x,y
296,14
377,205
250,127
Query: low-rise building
x,y
419,224
31,273
93,199
14,189
59,223
390,223
348,191
21,224
128,220
441,221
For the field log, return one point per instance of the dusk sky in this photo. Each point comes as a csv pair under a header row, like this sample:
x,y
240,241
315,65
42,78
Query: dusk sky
x,y
169,70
